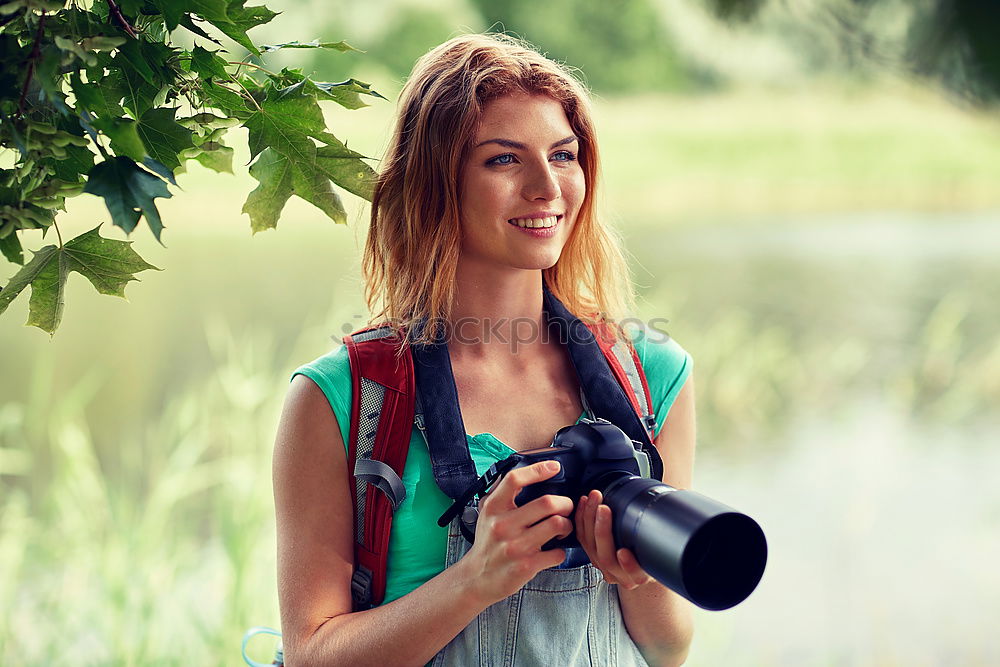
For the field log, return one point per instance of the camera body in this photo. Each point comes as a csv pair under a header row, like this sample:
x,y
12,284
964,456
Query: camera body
x,y
703,550
591,455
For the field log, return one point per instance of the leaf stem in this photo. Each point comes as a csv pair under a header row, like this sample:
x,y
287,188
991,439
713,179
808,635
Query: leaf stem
x,y
35,51
57,232
240,62
251,98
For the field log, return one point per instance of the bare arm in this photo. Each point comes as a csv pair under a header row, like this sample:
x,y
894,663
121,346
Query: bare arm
x,y
658,620
315,553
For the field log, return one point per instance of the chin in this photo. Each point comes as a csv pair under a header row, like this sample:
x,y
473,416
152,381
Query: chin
x,y
540,264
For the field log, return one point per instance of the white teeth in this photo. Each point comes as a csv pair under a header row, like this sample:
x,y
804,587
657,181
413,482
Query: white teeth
x,y
535,223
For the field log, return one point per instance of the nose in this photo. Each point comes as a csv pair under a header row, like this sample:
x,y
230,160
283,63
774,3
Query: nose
x,y
541,183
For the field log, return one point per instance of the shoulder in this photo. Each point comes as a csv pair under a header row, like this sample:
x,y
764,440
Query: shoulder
x,y
666,365
660,355
331,374
335,364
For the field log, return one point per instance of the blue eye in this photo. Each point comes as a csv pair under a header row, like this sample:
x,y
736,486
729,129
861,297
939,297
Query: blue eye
x,y
509,158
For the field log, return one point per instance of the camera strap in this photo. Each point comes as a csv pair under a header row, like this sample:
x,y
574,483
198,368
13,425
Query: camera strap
x,y
479,489
610,377
392,394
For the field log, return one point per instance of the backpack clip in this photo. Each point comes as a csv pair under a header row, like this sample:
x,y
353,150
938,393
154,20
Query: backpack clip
x,y
361,587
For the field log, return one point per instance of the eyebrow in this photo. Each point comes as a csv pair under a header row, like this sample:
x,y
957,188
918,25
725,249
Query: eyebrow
x,y
508,143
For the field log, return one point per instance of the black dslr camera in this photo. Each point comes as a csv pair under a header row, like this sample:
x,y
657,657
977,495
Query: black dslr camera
x,y
707,552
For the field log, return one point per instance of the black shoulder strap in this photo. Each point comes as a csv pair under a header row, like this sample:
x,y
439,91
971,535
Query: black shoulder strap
x,y
438,410
439,414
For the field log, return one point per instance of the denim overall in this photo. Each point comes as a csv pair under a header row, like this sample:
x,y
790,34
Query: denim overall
x,y
564,616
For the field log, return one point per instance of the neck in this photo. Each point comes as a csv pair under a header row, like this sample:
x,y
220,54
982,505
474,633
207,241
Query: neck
x,y
496,314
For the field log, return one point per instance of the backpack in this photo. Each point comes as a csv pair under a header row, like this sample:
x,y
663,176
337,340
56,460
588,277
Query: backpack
x,y
386,404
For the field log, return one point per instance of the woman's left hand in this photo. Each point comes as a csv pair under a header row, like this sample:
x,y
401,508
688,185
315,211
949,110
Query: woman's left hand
x,y
593,530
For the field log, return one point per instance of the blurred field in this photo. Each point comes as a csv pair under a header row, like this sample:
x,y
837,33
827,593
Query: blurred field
x,y
827,256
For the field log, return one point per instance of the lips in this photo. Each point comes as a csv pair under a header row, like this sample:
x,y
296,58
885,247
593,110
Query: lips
x,y
539,221
538,232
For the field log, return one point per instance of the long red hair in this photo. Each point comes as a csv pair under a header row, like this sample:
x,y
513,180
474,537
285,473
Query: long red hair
x,y
412,249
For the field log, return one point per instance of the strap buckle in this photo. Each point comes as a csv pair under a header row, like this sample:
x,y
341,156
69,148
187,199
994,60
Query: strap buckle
x,y
650,423
361,587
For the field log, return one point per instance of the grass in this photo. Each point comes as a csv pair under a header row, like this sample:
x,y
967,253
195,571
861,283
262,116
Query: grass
x,y
166,561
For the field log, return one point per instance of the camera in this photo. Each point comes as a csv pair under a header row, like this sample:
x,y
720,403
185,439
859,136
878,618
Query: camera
x,y
703,550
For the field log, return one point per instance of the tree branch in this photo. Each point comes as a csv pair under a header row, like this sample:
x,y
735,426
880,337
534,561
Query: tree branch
x,y
35,50
126,26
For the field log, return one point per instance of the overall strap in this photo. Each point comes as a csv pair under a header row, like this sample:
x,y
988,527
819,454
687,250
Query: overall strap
x,y
382,406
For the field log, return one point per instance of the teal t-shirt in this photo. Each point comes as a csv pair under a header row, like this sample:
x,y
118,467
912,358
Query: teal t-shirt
x,y
417,544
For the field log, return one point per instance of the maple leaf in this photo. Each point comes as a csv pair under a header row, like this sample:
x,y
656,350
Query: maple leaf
x,y
208,64
280,178
345,167
286,118
128,193
295,44
164,137
108,264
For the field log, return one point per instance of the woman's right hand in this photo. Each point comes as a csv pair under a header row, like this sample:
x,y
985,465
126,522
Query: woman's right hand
x,y
507,551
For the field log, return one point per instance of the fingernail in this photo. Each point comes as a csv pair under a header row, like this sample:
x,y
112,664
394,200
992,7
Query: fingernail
x,y
552,465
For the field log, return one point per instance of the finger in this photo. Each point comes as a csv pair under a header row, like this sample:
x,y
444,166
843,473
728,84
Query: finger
x,y
543,531
582,530
504,493
590,519
630,565
542,508
546,559
605,541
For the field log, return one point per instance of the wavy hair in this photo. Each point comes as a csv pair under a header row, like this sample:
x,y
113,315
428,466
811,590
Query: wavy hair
x,y
411,253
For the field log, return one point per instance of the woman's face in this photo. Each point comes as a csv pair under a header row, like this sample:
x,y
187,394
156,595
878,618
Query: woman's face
x,y
521,186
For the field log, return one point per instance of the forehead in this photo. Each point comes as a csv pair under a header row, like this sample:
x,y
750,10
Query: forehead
x,y
520,116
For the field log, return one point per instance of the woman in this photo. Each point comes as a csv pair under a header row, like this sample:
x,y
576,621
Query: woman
x,y
486,194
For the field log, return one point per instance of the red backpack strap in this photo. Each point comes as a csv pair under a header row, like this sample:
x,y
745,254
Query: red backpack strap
x,y
382,409
624,362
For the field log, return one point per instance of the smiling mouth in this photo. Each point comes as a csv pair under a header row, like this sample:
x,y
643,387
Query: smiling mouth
x,y
536,223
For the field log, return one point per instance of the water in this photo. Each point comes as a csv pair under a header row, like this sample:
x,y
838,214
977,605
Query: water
x,y
847,373
883,545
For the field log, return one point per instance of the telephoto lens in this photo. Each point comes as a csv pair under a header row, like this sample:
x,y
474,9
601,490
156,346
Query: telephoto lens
x,y
707,552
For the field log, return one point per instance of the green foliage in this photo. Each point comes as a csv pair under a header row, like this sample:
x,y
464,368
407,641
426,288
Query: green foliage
x,y
108,264
128,192
952,42
98,99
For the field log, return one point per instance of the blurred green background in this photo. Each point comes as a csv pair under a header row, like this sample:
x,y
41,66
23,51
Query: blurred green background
x,y
817,224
